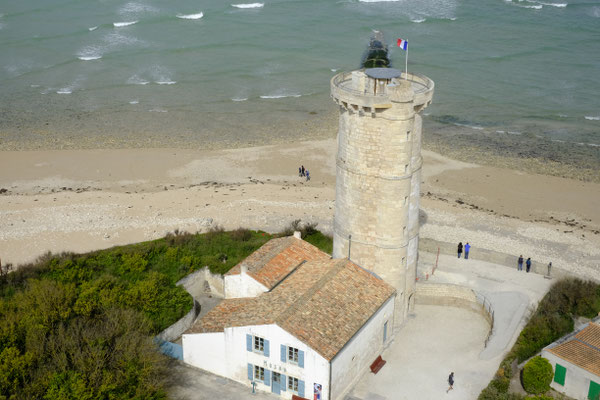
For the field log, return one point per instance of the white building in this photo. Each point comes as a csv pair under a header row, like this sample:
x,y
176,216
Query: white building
x,y
313,327
576,362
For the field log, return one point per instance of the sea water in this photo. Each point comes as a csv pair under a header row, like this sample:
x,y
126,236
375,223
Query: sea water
x,y
146,72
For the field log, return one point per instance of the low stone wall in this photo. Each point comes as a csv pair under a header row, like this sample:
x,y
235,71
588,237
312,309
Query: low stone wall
x,y
203,282
440,294
496,257
174,331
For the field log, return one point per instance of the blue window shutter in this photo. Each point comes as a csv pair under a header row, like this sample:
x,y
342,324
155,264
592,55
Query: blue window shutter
x,y
283,383
266,352
301,388
267,377
283,353
301,359
248,342
250,371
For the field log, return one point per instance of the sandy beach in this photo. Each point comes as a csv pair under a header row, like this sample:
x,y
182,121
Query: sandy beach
x,y
81,200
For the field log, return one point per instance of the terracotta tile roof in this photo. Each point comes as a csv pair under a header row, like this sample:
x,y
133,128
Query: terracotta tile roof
x,y
322,303
582,350
277,258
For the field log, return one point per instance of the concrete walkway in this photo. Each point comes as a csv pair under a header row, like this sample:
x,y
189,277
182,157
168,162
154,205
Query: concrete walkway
x,y
437,340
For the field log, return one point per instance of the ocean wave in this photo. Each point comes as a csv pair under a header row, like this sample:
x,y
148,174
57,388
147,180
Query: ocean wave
x,y
535,7
418,21
476,127
136,80
160,110
239,99
377,1
279,96
122,24
333,69
249,5
89,58
64,91
165,82
190,16
134,102
593,144
93,28
559,5
590,118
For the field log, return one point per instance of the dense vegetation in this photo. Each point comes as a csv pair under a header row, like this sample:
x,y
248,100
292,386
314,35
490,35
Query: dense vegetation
x,y
537,375
567,299
81,326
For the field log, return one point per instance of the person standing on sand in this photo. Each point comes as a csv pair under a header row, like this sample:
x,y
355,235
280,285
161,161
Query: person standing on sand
x,y
528,263
549,267
520,263
467,248
307,176
299,171
450,382
302,170
460,247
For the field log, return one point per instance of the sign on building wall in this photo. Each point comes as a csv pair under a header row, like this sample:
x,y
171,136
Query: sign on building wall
x,y
318,391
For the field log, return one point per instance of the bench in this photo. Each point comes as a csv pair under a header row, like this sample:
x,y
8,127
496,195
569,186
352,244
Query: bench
x,y
377,364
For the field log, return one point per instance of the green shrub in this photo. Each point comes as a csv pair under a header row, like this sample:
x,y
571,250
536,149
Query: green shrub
x,y
537,375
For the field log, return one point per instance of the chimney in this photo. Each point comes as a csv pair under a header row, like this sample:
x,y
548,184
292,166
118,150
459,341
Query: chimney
x,y
297,234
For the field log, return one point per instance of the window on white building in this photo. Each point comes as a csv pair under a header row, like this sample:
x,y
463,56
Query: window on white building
x,y
293,355
259,344
293,384
259,373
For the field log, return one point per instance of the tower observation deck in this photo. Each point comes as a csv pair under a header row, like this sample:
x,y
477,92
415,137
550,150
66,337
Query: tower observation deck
x,y
378,174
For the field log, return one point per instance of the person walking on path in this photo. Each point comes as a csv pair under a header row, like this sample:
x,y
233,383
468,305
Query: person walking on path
x,y
520,263
299,171
467,248
302,170
460,247
307,176
450,382
528,263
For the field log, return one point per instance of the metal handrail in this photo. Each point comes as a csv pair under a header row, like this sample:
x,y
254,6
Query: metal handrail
x,y
340,79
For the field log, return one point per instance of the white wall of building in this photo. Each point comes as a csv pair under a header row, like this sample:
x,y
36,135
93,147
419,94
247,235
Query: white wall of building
x,y
360,352
226,354
242,285
206,351
577,380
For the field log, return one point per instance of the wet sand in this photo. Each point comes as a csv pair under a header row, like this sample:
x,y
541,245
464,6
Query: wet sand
x,y
81,200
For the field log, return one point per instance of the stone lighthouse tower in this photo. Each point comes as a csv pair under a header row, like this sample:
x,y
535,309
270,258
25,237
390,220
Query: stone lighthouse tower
x,y
378,174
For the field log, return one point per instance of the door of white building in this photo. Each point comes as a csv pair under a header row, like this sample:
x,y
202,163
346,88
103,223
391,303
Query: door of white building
x,y
276,383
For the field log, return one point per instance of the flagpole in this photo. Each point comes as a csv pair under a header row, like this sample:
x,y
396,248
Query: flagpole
x,y
406,63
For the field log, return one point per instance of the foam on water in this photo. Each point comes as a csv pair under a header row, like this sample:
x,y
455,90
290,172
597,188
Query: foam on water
x,y
122,24
64,91
190,16
166,82
418,21
239,99
137,80
89,58
249,5
93,28
134,102
377,1
591,118
558,5
279,96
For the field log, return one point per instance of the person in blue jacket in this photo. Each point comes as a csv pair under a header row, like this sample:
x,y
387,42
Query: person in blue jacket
x,y
467,248
528,264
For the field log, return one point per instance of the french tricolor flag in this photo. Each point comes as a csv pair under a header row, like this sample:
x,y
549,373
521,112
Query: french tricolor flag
x,y
403,44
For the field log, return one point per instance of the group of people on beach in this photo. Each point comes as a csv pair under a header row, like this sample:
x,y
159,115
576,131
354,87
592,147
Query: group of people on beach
x,y
527,264
302,172
466,248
